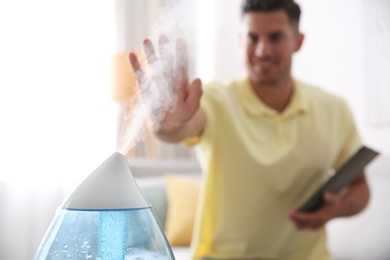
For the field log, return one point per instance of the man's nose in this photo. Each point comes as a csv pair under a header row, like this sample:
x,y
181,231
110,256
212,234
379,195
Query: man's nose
x,y
263,48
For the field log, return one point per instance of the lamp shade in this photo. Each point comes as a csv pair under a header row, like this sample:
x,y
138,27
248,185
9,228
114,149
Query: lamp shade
x,y
105,217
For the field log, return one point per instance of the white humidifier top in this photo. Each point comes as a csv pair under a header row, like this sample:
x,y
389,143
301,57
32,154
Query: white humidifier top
x,y
110,186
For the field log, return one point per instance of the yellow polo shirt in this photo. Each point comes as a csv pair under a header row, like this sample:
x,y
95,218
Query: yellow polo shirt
x,y
259,164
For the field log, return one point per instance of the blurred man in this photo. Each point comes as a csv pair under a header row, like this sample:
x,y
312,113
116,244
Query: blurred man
x,y
266,142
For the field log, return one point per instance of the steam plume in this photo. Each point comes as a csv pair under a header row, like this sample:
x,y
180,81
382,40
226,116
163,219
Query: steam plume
x,y
156,93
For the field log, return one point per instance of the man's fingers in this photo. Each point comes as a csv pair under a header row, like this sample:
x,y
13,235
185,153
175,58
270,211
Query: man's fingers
x,y
139,74
149,51
164,46
166,55
329,197
306,220
194,94
163,42
182,61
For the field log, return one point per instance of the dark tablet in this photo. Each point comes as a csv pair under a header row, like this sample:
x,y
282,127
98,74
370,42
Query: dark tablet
x,y
343,177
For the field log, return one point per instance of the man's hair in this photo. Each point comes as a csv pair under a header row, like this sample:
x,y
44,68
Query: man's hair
x,y
289,6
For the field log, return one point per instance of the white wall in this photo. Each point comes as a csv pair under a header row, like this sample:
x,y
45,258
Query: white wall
x,y
334,57
57,117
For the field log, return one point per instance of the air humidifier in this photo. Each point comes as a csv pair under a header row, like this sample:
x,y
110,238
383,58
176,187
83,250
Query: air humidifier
x,y
106,217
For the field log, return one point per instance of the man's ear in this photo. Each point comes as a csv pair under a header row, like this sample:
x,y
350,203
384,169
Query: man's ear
x,y
299,42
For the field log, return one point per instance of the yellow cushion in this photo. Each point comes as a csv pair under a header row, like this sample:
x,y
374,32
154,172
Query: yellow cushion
x,y
182,196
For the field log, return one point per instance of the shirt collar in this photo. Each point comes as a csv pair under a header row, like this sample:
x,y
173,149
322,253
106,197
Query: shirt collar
x,y
256,107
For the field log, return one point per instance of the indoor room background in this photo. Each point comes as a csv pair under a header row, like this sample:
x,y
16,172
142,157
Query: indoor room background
x,y
62,109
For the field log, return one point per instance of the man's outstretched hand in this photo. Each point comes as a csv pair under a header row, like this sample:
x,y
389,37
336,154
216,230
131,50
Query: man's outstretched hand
x,y
168,68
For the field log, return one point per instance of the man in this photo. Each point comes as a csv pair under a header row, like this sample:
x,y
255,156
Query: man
x,y
266,142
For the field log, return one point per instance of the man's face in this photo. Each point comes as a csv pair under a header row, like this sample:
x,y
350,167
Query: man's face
x,y
270,41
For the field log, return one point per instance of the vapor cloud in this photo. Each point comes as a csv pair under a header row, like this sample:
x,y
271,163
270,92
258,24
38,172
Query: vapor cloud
x,y
156,92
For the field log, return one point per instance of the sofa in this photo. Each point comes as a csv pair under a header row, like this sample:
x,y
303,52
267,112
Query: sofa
x,y
172,186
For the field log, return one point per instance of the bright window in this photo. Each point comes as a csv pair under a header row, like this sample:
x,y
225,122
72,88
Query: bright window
x,y
57,117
